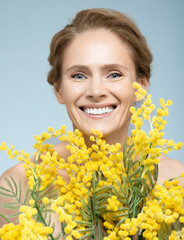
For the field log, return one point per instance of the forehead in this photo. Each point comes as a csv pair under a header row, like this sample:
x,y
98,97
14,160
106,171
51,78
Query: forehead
x,y
97,47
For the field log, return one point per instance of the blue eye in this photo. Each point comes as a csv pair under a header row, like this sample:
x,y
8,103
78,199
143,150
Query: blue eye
x,y
115,75
78,76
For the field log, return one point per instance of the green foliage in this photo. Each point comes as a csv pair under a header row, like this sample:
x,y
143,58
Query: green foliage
x,y
14,191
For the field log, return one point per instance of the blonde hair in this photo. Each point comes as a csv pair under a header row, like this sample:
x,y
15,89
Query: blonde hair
x,y
91,19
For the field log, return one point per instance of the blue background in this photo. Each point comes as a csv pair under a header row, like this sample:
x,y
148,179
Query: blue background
x,y
27,103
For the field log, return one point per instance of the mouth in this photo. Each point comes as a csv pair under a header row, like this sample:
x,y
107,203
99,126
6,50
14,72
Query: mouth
x,y
98,110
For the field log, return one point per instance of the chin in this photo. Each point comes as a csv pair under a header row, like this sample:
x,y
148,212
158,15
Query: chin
x,y
106,131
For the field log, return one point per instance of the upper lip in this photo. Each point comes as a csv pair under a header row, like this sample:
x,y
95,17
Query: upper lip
x,y
98,105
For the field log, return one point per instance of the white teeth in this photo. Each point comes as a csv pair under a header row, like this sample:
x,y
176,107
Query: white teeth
x,y
98,111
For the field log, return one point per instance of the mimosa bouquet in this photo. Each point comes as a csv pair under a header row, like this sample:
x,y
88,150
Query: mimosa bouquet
x,y
110,195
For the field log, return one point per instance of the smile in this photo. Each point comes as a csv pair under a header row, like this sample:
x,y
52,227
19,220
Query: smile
x,y
98,111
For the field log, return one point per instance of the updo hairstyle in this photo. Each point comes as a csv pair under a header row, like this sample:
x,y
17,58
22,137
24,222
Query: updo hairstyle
x,y
92,19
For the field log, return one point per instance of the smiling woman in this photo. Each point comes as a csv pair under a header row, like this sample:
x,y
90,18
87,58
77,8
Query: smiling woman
x,y
101,54
101,76
94,62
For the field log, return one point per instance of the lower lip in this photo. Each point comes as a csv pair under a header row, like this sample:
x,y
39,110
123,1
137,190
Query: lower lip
x,y
97,116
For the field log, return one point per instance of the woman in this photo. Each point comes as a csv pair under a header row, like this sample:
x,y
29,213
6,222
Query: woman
x,y
94,61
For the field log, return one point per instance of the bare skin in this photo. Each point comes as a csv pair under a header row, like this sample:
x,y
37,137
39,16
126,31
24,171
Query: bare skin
x,y
100,74
168,168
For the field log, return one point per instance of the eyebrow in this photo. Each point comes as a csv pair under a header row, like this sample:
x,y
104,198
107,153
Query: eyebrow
x,y
103,67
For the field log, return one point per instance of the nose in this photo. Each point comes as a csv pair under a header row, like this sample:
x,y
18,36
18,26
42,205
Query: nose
x,y
96,89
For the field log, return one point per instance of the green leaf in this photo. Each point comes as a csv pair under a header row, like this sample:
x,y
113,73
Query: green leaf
x,y
10,203
104,188
139,179
127,154
85,230
5,218
122,209
50,194
9,184
138,191
123,201
130,150
89,224
85,207
98,178
93,181
120,215
129,165
121,221
6,194
15,185
125,185
47,211
88,235
156,172
101,208
5,189
46,188
85,216
102,196
150,177
147,187
117,193
19,190
135,172
100,202
12,215
9,206
130,197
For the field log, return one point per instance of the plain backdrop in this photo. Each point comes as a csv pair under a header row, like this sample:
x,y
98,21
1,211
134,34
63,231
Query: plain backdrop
x,y
27,102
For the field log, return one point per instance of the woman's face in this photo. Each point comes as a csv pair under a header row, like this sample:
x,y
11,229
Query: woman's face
x,y
96,85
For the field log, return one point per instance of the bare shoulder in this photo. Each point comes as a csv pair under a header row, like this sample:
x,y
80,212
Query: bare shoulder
x,y
169,168
17,172
62,150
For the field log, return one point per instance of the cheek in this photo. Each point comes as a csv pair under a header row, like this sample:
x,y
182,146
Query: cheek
x,y
70,96
125,94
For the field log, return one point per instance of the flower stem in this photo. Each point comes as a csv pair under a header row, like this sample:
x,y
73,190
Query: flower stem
x,y
140,237
98,224
42,219
5,218
62,230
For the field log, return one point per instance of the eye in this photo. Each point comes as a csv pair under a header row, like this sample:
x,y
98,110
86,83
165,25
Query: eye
x,y
78,76
115,75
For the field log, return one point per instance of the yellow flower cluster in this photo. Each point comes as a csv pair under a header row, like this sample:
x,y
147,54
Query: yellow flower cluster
x,y
105,183
177,235
150,146
164,207
27,228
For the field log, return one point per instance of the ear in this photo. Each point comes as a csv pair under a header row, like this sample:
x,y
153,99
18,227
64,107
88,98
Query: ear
x,y
57,90
144,84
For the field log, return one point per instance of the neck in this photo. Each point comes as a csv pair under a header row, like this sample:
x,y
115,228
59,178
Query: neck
x,y
117,137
